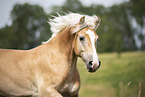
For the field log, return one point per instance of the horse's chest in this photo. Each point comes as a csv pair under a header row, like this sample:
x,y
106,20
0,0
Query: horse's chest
x,y
71,84
71,88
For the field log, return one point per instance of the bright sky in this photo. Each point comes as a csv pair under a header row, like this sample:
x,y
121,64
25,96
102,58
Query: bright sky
x,y
7,5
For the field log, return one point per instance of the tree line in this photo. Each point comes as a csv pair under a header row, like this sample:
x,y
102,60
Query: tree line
x,y
116,31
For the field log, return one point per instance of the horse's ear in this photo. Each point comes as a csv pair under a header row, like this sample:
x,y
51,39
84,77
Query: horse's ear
x,y
82,20
97,22
79,25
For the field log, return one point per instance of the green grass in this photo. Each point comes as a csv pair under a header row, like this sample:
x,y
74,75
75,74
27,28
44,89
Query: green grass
x,y
117,76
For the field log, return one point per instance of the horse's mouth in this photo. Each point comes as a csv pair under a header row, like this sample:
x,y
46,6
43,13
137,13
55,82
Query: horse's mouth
x,y
91,70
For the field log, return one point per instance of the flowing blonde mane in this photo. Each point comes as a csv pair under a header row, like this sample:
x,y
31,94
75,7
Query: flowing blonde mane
x,y
72,19
59,23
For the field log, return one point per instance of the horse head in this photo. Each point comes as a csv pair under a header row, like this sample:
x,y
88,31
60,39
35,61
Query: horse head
x,y
85,44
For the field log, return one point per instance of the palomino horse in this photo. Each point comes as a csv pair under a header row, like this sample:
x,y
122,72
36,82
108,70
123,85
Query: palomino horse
x,y
50,69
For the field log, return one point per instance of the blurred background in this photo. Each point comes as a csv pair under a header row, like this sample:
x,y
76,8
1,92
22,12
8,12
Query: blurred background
x,y
121,44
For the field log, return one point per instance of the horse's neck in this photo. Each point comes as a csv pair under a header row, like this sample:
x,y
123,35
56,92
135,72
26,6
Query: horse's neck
x,y
64,42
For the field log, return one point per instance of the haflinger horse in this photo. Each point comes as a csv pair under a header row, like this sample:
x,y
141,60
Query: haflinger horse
x,y
50,70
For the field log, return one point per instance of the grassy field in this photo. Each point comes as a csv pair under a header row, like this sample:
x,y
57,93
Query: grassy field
x,y
117,77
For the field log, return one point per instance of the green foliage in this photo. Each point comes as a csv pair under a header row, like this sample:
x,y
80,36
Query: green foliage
x,y
29,26
6,37
68,6
137,10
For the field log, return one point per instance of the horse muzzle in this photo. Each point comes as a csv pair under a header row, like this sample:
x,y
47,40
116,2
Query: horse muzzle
x,y
93,67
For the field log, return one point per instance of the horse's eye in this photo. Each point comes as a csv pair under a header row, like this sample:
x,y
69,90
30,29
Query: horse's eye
x,y
82,38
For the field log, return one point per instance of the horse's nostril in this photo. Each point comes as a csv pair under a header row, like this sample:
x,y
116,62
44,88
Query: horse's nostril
x,y
99,62
90,63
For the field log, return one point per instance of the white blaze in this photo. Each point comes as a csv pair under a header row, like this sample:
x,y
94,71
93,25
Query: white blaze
x,y
93,38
